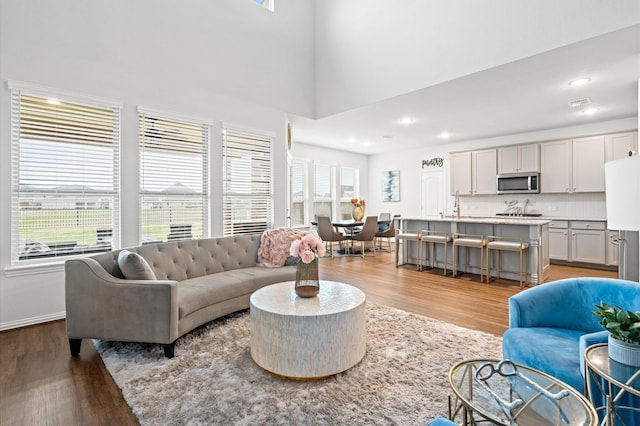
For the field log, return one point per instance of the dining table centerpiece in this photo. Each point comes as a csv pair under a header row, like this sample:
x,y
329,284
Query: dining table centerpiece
x,y
358,209
308,250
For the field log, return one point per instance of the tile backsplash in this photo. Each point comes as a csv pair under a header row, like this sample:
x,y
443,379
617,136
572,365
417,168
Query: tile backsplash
x,y
571,206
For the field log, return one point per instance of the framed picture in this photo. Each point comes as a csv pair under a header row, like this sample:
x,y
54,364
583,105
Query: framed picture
x,y
391,185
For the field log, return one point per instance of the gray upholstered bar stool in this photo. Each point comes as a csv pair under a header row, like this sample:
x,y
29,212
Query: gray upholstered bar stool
x,y
512,244
468,241
430,239
405,236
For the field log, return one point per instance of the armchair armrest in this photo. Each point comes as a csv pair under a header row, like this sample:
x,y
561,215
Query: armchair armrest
x,y
101,306
589,339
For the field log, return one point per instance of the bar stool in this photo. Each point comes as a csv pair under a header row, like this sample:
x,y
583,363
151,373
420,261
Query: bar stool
x,y
431,238
405,236
468,241
512,244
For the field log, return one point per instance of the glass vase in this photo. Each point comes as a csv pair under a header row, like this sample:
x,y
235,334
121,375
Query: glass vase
x,y
307,282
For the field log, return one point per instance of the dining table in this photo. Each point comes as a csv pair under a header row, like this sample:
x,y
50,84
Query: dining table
x,y
350,226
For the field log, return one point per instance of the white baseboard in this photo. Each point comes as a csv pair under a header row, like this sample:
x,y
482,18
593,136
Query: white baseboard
x,y
32,321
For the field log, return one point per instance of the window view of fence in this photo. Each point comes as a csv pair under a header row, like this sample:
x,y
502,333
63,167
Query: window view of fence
x,y
65,185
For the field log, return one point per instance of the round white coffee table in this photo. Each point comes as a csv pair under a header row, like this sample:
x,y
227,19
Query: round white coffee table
x,y
308,337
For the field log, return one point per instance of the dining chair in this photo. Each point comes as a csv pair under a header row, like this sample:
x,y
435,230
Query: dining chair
x,y
328,234
388,233
368,233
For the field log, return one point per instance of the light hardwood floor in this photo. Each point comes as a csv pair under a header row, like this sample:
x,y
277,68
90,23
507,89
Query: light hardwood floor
x,y
40,384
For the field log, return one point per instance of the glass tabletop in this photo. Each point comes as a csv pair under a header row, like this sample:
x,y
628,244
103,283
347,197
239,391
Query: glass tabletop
x,y
512,394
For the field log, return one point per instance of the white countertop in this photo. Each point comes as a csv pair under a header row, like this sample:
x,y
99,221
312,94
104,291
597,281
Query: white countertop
x,y
497,220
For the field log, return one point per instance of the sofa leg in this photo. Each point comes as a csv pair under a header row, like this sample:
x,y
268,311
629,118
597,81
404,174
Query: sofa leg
x,y
74,346
169,350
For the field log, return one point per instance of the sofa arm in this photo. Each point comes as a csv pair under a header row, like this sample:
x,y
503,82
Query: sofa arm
x,y
101,306
587,340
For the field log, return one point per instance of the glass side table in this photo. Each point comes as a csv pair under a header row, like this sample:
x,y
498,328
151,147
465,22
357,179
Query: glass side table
x,y
618,383
505,393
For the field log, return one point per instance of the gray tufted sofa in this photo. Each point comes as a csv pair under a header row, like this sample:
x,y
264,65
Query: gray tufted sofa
x,y
196,282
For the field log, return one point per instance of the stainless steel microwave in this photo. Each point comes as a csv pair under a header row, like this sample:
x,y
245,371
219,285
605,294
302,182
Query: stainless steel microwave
x,y
519,183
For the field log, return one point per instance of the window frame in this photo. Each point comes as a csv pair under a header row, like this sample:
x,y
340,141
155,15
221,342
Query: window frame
x,y
305,191
262,194
177,231
17,90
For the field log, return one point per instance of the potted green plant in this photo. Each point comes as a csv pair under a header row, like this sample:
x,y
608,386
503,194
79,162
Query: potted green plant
x,y
624,333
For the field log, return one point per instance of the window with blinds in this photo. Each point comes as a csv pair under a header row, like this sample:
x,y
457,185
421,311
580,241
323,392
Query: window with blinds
x,y
348,190
174,195
322,191
298,184
247,181
64,175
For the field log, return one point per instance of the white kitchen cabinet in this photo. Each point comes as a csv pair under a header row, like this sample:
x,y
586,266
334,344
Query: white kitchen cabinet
x,y
460,163
555,166
588,164
578,241
483,169
520,158
559,244
570,166
620,144
588,246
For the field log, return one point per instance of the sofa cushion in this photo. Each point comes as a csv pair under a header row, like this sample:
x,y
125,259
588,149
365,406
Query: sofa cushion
x,y
134,267
555,351
198,293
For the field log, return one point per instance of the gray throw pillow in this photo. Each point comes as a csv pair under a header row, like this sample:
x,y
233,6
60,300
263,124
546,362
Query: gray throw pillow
x,y
134,267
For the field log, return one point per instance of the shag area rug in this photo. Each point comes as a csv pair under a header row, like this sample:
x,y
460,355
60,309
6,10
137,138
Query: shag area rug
x,y
402,380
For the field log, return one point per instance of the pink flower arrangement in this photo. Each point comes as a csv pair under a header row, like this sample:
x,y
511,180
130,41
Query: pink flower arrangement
x,y
307,248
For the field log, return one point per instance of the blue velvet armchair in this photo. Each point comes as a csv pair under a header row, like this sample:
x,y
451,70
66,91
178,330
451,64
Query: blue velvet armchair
x,y
551,325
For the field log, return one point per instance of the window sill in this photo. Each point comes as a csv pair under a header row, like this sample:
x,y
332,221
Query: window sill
x,y
34,269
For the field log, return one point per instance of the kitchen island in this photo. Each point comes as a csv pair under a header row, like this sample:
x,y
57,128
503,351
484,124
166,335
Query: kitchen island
x,y
534,231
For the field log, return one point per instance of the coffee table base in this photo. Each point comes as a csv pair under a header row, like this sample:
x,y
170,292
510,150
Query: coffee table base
x,y
308,338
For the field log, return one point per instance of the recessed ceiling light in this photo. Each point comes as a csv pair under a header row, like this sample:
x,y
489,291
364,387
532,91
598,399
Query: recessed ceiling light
x,y
576,103
579,81
366,143
351,140
590,111
405,121
445,135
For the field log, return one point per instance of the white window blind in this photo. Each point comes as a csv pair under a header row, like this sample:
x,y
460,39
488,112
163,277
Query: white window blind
x,y
173,177
348,190
64,176
298,192
323,192
247,181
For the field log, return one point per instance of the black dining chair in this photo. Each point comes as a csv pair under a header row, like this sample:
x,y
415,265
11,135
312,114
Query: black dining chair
x,y
328,234
368,233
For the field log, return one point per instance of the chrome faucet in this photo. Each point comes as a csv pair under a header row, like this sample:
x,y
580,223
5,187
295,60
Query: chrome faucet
x,y
456,204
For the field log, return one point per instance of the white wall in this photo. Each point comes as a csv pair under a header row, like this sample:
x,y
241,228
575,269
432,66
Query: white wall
x,y
410,165
226,60
421,43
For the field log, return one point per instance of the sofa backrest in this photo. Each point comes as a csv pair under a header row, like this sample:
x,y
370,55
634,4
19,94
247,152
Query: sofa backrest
x,y
569,303
181,260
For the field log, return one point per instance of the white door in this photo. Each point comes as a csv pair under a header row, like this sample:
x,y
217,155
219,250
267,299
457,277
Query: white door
x,y
433,193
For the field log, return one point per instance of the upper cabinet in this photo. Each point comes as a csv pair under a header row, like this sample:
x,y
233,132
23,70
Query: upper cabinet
x,y
520,158
483,169
619,145
461,173
575,165
473,172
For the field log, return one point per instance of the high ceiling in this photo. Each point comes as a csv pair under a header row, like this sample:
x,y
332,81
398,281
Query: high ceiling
x,y
527,95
